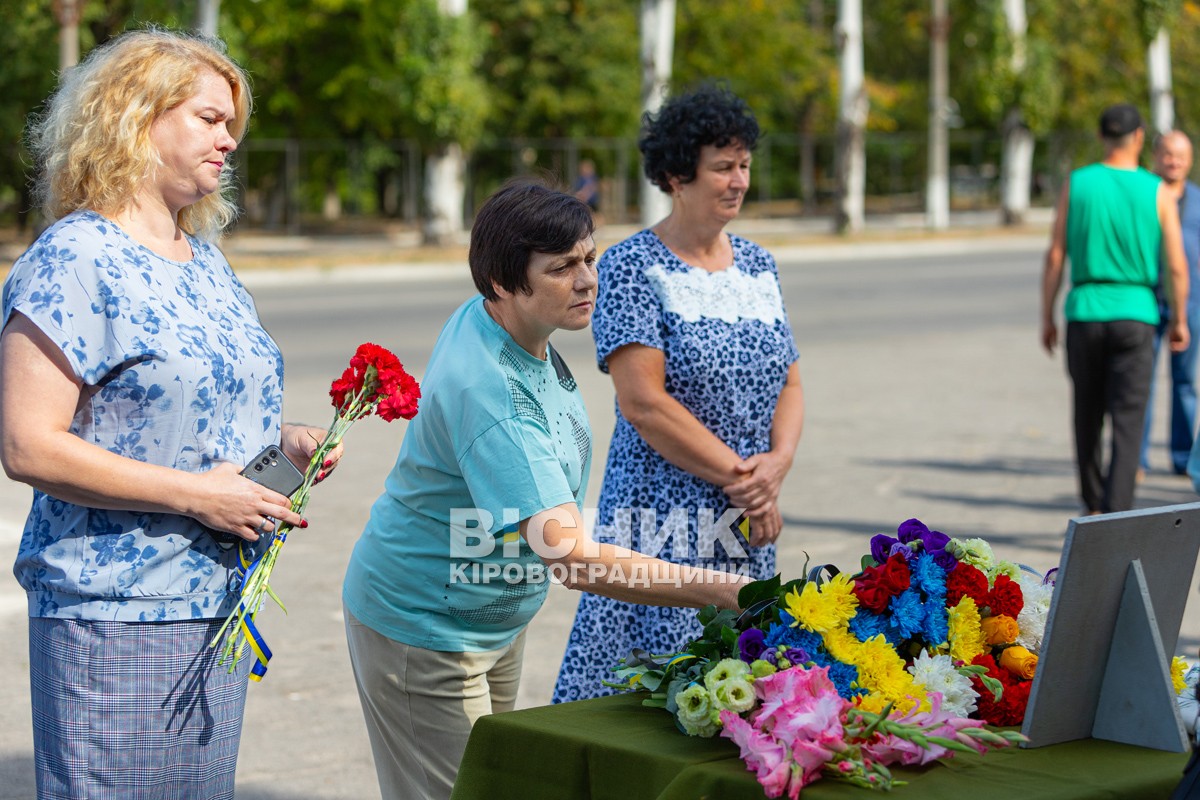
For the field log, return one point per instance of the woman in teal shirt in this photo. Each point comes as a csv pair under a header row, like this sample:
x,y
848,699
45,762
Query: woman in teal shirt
x,y
484,505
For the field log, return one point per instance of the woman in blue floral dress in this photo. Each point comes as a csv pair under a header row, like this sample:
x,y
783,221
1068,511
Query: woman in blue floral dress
x,y
135,382
690,324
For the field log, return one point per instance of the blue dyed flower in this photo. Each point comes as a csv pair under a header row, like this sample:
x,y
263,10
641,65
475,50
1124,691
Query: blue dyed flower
x,y
908,613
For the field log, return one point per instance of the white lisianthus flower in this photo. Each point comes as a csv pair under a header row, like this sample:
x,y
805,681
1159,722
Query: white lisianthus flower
x,y
1032,619
1005,568
695,711
725,669
735,694
976,552
937,674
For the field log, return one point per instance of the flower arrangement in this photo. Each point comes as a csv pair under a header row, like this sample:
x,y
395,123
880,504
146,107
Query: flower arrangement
x,y
374,383
840,675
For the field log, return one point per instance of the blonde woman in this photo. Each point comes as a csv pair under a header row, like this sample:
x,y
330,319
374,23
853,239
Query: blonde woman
x,y
135,382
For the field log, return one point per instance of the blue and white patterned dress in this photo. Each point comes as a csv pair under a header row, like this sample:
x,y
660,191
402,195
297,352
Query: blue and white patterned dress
x,y
177,371
728,347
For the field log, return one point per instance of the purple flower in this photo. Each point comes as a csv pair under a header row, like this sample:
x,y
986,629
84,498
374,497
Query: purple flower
x,y
911,530
797,655
881,547
751,645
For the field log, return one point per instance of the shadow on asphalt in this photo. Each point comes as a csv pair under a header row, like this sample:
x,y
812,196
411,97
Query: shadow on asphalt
x,y
1012,466
16,778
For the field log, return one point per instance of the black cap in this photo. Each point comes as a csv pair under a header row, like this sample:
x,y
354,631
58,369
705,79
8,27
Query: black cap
x,y
1119,120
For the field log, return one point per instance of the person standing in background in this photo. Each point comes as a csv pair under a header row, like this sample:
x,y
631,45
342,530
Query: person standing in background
x,y
1114,221
1173,163
691,325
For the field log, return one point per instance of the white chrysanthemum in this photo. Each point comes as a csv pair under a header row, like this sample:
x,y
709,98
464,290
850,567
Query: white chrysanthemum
x,y
937,674
1032,619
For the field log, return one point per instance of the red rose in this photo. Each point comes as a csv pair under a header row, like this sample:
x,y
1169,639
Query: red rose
x,y
966,581
895,576
1006,597
871,594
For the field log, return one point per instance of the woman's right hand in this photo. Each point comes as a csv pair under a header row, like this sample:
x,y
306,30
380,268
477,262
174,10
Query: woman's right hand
x,y
232,503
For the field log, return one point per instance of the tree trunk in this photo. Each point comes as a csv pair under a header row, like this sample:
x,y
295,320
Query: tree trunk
x,y
937,184
1016,163
852,118
658,47
1162,101
445,172
68,12
444,195
207,13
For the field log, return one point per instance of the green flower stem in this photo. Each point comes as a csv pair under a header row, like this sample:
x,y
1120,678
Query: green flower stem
x,y
257,588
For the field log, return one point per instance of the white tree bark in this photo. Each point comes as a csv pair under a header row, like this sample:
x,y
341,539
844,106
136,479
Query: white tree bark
x,y
68,32
207,13
1162,100
445,171
658,48
937,183
444,193
1016,163
852,119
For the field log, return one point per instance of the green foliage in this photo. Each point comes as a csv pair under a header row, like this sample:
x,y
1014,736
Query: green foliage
x,y
770,53
1156,15
562,68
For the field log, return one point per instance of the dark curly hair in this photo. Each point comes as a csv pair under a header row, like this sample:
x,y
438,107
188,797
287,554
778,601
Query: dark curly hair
x,y
671,139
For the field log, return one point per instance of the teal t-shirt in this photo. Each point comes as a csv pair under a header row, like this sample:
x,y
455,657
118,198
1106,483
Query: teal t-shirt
x,y
1113,243
501,435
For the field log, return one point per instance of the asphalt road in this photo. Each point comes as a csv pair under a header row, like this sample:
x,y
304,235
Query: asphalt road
x,y
927,395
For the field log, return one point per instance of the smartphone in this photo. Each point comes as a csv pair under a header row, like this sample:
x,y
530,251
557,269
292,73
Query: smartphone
x,y
272,469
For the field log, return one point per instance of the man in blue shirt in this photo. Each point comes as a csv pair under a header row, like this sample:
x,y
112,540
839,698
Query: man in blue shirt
x,y
1173,163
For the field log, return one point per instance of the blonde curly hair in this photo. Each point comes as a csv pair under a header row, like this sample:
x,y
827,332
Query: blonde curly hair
x,y
92,143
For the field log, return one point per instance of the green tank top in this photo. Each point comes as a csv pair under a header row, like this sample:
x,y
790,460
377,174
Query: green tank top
x,y
1113,244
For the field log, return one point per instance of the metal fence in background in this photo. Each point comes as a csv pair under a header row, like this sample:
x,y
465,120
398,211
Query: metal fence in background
x,y
311,186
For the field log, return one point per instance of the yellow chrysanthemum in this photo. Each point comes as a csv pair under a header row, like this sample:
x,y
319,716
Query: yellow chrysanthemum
x,y
880,669
1178,667
966,639
820,609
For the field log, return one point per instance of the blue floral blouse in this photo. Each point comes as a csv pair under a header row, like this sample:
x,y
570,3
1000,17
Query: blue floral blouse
x,y
177,371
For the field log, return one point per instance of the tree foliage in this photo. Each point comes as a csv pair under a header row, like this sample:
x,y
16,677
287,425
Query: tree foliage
x,y
368,71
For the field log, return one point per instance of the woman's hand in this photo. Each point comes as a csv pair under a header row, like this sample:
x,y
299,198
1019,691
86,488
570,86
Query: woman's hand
x,y
299,442
764,474
766,525
233,503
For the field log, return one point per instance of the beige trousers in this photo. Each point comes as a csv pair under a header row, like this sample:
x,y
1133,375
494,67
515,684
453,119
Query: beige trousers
x,y
420,705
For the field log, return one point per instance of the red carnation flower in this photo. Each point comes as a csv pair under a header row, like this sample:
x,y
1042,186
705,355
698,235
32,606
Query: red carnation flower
x,y
1006,597
966,581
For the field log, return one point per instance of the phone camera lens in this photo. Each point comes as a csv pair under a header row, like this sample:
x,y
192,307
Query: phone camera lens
x,y
258,467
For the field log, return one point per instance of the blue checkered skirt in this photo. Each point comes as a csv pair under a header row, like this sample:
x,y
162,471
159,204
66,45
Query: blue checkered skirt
x,y
133,710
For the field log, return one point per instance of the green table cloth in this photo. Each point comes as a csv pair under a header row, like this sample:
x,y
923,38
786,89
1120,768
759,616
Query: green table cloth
x,y
613,748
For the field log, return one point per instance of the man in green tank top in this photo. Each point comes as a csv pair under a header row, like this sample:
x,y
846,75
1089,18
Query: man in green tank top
x,y
1113,220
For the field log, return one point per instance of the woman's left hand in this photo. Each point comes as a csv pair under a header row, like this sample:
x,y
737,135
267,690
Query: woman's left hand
x,y
765,525
299,442
764,477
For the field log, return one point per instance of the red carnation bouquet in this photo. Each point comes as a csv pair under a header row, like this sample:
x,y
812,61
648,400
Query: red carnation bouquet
x,y
374,383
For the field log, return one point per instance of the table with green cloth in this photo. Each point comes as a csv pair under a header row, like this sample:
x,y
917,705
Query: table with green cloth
x,y
614,748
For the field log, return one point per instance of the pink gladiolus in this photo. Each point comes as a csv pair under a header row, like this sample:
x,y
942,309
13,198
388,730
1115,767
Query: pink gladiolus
x,y
762,753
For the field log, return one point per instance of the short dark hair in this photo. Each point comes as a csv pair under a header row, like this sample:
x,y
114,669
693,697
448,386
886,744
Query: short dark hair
x,y
671,139
522,218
